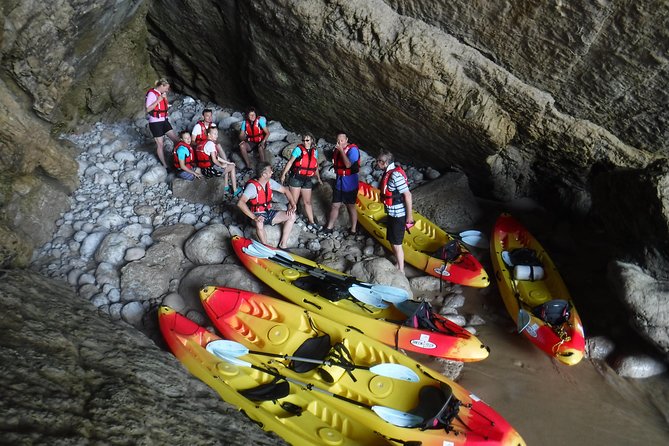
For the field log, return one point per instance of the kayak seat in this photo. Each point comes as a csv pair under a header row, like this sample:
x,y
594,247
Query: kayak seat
x,y
267,392
525,264
555,311
450,252
331,291
436,406
313,348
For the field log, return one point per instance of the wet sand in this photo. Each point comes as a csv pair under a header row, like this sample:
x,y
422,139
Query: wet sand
x,y
549,403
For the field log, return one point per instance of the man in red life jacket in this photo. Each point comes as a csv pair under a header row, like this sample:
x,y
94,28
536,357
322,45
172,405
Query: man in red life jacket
x,y
256,203
304,174
253,135
184,158
396,198
156,106
346,162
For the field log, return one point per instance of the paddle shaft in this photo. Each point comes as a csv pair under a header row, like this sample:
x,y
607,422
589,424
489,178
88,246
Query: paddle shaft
x,y
309,360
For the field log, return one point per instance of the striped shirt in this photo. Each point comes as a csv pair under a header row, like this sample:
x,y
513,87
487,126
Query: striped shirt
x,y
396,182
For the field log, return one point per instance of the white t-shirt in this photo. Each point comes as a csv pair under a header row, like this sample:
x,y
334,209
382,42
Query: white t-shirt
x,y
210,148
251,192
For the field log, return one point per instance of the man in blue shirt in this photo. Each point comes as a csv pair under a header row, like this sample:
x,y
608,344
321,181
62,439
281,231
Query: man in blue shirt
x,y
346,162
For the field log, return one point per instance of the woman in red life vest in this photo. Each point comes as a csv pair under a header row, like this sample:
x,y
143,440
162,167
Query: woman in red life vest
x,y
156,106
256,203
184,158
253,135
303,168
396,198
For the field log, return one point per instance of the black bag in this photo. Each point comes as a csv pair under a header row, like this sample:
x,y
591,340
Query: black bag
x,y
331,291
524,256
450,252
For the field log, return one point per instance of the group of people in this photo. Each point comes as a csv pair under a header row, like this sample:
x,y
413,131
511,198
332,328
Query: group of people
x,y
197,153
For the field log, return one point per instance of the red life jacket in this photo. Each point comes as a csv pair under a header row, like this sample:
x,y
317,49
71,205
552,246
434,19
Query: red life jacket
x,y
389,198
253,131
263,201
190,158
340,168
161,109
306,164
203,133
202,159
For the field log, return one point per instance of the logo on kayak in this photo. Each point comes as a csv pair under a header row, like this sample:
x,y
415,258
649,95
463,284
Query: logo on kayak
x,y
424,342
442,271
532,330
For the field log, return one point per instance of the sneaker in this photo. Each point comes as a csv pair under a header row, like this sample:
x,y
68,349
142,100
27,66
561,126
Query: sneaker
x,y
238,192
327,230
227,189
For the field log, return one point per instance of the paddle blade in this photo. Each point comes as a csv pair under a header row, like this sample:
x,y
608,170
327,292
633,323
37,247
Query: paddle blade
x,y
367,296
269,252
475,241
390,293
224,347
524,319
253,252
395,371
472,233
397,417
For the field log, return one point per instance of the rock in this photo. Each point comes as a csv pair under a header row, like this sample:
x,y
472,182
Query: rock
x,y
456,319
463,211
209,191
448,368
149,277
380,270
425,283
155,175
232,276
174,301
90,244
132,313
208,245
106,273
475,320
135,253
175,235
599,347
638,366
113,247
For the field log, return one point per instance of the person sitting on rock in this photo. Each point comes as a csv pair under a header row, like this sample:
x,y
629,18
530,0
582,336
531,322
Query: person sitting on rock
x,y
212,164
199,133
303,167
253,135
256,203
156,106
184,158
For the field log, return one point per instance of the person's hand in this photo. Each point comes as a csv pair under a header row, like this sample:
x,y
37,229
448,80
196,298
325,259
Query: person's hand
x,y
197,175
283,177
291,209
259,218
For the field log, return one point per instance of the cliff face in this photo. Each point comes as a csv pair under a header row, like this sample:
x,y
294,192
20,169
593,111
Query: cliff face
x,y
65,63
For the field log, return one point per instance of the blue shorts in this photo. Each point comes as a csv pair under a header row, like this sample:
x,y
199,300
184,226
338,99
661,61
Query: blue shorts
x,y
269,216
185,175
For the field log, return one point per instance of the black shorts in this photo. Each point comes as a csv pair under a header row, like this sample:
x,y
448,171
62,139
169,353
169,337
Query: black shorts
x,y
346,197
301,181
395,229
159,128
252,145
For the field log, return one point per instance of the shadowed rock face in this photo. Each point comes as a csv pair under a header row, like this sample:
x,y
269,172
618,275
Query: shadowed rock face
x,y
70,376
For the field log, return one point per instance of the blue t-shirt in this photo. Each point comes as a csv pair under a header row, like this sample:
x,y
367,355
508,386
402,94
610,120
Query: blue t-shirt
x,y
349,182
262,123
182,152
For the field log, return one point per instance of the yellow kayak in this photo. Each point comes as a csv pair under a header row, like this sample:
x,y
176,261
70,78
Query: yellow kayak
x,y
421,244
308,284
299,416
382,388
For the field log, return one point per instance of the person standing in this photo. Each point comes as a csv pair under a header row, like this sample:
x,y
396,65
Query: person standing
x,y
396,198
346,162
184,158
303,168
256,203
156,106
253,135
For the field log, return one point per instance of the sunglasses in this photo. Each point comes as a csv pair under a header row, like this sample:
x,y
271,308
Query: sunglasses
x,y
306,140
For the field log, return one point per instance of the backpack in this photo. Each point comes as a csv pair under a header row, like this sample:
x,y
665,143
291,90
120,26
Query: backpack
x,y
450,252
524,256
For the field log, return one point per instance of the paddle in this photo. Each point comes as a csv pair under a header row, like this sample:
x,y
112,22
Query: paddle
x,y
471,237
524,319
389,370
388,414
383,292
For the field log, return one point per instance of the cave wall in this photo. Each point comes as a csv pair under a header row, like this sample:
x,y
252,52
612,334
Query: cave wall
x,y
605,61
65,64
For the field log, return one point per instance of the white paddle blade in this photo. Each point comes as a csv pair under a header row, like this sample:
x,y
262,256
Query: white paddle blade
x,y
475,241
397,417
253,252
388,293
524,319
367,296
269,252
472,233
395,371
224,347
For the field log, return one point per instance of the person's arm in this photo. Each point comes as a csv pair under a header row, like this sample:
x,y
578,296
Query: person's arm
x,y
182,166
287,168
265,130
408,205
292,206
318,170
242,132
241,204
196,132
150,107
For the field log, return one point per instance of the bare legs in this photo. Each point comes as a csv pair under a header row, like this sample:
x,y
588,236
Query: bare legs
x,y
288,221
334,213
399,255
245,149
306,201
160,145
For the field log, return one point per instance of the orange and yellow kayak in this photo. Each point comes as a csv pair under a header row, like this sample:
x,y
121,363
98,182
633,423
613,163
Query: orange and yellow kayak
x,y
447,340
424,239
425,408
299,416
534,293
